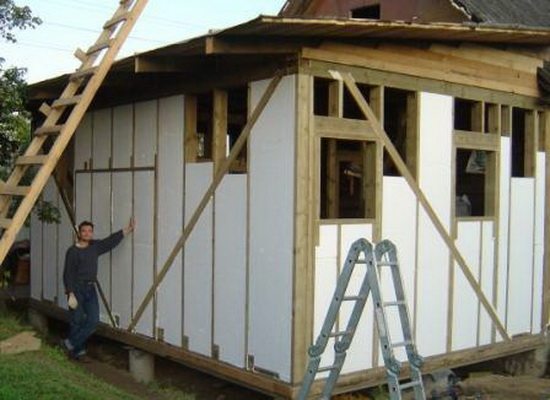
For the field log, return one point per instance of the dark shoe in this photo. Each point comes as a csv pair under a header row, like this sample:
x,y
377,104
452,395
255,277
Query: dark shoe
x,y
66,345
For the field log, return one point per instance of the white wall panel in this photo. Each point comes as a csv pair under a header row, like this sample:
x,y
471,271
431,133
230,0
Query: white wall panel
x,y
399,225
326,274
49,247
170,218
435,176
36,257
66,239
360,352
465,302
83,197
143,236
539,243
230,269
521,255
503,229
121,258
198,261
272,174
83,142
486,276
101,217
145,145
123,125
101,151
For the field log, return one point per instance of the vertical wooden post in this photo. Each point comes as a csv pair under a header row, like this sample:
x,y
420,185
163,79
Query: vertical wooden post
x,y
302,321
546,275
219,127
191,139
531,142
478,114
412,140
335,109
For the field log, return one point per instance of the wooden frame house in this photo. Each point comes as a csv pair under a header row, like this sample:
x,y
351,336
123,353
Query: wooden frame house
x,y
253,157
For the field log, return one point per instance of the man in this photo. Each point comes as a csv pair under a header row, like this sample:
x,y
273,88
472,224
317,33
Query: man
x,y
79,277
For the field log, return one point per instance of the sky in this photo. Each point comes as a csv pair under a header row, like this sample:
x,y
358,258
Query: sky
x,y
47,51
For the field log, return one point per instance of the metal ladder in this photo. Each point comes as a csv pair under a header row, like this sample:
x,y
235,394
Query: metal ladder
x,y
62,118
382,256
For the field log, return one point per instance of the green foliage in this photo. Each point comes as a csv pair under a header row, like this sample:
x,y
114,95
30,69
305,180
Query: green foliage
x,y
15,17
47,212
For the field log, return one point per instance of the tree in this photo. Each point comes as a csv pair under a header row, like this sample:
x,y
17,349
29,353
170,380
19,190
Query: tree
x,y
14,17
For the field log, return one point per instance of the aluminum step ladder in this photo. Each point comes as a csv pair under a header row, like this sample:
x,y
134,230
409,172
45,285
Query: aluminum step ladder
x,y
384,255
62,118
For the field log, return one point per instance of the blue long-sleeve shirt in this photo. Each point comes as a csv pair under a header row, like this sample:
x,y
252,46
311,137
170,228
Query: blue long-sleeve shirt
x,y
81,263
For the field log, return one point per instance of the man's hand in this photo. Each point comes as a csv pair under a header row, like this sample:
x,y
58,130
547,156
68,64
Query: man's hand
x,y
72,301
131,226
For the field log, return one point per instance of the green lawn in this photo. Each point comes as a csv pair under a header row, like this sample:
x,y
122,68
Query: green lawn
x,y
47,374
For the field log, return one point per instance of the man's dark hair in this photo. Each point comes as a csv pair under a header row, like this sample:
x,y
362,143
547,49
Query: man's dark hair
x,y
83,224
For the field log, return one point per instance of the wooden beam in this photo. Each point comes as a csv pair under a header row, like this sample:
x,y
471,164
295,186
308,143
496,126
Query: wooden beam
x,y
413,132
219,127
373,76
476,140
531,143
335,112
402,167
305,229
145,64
191,140
546,274
218,176
343,128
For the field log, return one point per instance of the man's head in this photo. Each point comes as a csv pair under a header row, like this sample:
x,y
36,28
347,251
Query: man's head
x,y
86,231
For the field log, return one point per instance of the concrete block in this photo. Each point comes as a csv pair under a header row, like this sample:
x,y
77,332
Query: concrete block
x,y
142,365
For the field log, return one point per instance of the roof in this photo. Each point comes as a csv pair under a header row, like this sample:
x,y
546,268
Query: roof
x,y
508,12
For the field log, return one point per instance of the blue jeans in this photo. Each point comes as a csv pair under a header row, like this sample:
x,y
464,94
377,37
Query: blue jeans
x,y
84,319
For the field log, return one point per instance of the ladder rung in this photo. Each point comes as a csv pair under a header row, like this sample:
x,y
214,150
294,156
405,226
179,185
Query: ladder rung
x,y
339,333
410,385
66,101
353,298
325,369
387,264
81,55
14,190
31,160
116,20
360,261
48,130
99,46
401,344
45,109
5,223
83,73
394,303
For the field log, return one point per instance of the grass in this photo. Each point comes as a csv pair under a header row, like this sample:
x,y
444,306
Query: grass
x,y
47,374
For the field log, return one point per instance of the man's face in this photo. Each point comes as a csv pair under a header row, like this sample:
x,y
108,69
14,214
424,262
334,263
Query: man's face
x,y
86,233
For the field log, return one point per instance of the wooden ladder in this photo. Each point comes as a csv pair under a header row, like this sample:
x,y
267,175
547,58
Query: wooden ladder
x,y
62,118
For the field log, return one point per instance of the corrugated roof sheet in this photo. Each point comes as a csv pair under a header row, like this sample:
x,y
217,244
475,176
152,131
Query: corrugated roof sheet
x,y
509,12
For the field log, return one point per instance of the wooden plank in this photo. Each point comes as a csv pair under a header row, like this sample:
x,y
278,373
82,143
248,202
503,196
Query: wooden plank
x,y
476,140
546,273
14,190
412,139
531,143
206,199
49,130
365,108
343,128
5,222
386,62
31,160
219,127
372,76
191,138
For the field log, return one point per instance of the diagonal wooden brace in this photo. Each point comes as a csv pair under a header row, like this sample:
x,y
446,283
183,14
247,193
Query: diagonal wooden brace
x,y
349,81
218,176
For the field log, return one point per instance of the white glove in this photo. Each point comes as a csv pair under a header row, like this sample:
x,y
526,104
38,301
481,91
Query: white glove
x,y
72,301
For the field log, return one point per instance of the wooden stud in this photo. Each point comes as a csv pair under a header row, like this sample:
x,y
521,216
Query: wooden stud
x,y
546,274
531,143
221,172
413,133
506,120
476,140
45,109
343,128
191,139
491,179
402,167
304,229
219,127
478,117
81,55
494,119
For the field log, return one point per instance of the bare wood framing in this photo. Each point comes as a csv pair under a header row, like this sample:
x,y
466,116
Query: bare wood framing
x,y
343,128
506,120
476,141
413,134
304,235
367,111
335,112
220,173
531,143
546,275
478,116
219,127
190,123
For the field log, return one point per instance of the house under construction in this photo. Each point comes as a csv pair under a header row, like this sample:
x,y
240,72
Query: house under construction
x,y
251,164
